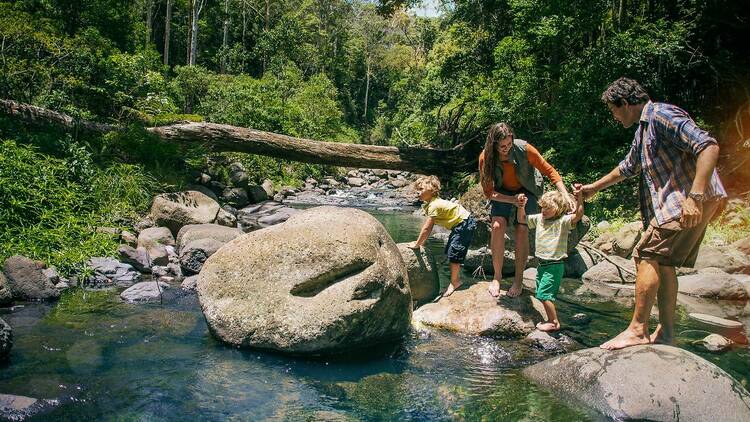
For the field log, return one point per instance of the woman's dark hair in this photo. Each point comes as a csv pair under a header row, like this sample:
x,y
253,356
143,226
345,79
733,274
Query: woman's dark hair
x,y
497,133
625,90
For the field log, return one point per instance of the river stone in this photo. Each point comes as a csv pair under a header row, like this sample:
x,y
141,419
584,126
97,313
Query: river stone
x,y
712,285
355,182
109,272
193,232
137,257
607,272
742,245
6,296
474,311
225,218
204,190
154,236
237,174
327,280
545,342
194,254
483,257
651,382
262,215
18,408
730,309
143,292
189,283
6,339
26,279
579,261
267,186
174,210
236,197
715,343
256,193
626,238
730,260
716,321
424,281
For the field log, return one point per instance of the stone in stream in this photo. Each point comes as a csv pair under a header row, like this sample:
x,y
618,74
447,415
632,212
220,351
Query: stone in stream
x,y
193,232
18,408
190,283
147,291
174,210
6,296
715,285
612,272
326,281
194,254
256,194
137,257
626,238
109,272
424,281
26,280
154,240
236,197
716,321
473,311
225,218
6,339
482,257
651,382
729,260
715,343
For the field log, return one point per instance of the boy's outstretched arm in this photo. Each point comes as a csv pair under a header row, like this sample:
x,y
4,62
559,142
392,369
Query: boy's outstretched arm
x,y
578,192
424,233
521,213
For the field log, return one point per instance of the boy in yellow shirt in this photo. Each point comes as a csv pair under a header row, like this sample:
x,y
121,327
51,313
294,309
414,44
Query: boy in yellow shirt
x,y
453,217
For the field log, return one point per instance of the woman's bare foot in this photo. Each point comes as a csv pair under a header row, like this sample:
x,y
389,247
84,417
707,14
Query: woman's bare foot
x,y
625,339
548,326
514,290
451,288
658,337
494,288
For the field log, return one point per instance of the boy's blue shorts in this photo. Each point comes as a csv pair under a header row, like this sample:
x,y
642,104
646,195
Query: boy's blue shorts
x,y
459,240
504,209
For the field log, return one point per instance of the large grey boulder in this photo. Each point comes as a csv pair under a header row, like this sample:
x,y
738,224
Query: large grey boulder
x,y
6,339
144,292
611,271
742,245
626,238
579,261
26,279
264,214
728,259
714,285
154,240
194,254
327,280
137,257
174,210
237,174
236,197
424,281
256,193
193,232
474,311
482,257
652,382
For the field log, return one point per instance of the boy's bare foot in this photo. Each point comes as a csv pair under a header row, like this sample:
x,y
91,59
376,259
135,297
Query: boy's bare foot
x,y
515,289
494,288
658,337
625,339
449,291
548,326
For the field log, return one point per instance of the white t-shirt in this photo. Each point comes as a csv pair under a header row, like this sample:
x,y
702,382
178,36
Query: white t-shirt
x,y
551,235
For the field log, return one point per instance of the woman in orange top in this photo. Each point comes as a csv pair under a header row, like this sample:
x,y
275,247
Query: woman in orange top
x,y
509,169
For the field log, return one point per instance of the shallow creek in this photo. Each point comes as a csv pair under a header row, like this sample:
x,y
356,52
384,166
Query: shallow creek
x,y
104,359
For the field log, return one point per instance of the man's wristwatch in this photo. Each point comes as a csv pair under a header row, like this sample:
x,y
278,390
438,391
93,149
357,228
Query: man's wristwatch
x,y
697,197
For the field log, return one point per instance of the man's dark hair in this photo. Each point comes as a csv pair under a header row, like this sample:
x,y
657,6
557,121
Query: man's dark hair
x,y
625,90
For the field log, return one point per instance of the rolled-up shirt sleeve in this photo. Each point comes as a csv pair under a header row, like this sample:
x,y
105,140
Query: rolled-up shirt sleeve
x,y
631,165
676,125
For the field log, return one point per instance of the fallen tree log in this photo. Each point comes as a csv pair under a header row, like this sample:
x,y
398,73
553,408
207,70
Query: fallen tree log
x,y
219,137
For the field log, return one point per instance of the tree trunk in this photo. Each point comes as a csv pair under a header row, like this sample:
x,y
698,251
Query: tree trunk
x,y
367,89
219,137
225,39
266,25
190,32
197,9
149,21
167,28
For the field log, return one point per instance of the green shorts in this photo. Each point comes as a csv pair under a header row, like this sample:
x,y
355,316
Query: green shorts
x,y
548,277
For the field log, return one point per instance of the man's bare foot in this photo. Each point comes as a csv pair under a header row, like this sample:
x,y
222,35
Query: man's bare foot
x,y
515,289
494,288
548,326
658,337
451,288
625,339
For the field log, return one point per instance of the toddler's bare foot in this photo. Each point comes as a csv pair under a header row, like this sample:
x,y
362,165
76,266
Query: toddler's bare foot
x,y
548,326
451,288
494,288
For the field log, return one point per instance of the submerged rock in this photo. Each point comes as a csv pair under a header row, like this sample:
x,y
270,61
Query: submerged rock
x,y
26,279
327,280
6,339
651,382
474,311
715,343
18,408
424,281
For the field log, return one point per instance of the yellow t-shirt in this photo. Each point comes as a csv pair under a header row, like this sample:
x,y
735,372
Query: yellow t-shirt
x,y
551,235
445,213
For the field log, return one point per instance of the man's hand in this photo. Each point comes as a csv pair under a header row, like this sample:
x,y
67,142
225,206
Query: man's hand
x,y
691,213
588,191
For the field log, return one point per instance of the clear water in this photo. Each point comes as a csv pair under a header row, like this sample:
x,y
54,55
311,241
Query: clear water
x,y
108,360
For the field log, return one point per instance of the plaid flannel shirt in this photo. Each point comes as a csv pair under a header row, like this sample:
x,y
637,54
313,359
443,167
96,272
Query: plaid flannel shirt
x,y
665,149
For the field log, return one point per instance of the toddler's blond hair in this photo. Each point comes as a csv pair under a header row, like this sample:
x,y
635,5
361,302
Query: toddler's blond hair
x,y
431,182
555,200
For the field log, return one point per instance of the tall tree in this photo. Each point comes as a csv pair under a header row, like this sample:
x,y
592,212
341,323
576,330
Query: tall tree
x,y
167,30
196,10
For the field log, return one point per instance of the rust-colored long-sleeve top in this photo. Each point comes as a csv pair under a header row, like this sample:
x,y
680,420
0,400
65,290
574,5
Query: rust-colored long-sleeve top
x,y
510,180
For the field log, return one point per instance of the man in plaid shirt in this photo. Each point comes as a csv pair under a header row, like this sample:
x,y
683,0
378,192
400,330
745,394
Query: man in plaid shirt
x,y
679,193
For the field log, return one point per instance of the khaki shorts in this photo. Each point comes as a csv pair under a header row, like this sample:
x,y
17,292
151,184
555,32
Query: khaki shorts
x,y
671,245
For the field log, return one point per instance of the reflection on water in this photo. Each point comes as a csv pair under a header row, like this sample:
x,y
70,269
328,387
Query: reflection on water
x,y
104,359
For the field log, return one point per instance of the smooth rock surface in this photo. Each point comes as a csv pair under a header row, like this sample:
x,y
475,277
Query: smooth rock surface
x,y
109,272
424,281
607,272
147,291
174,210
193,232
473,311
19,408
728,259
712,285
26,280
194,254
716,321
137,257
652,382
327,280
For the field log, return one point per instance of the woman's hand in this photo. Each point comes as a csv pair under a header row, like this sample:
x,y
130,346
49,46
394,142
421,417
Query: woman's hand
x,y
520,200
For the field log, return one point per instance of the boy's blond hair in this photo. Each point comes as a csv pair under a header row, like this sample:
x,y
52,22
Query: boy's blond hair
x,y
555,200
431,182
